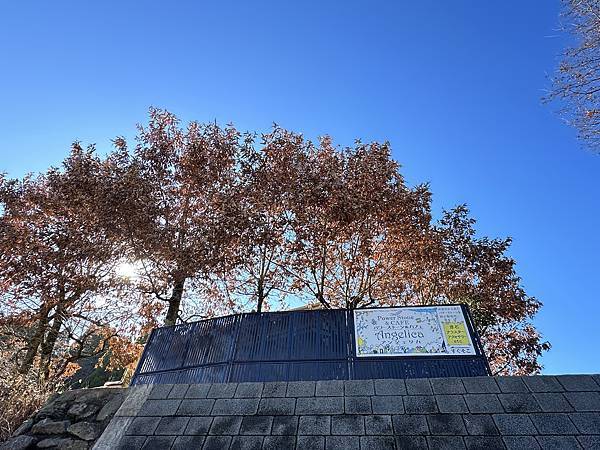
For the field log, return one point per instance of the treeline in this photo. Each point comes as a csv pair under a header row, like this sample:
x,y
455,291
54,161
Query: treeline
x,y
216,221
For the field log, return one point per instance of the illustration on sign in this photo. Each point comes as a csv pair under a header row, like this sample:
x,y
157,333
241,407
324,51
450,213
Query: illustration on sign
x,y
435,330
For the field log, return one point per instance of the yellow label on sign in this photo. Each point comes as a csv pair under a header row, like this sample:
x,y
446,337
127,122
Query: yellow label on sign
x,y
456,333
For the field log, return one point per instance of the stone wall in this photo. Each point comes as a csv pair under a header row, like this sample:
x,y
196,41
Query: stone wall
x,y
71,421
549,412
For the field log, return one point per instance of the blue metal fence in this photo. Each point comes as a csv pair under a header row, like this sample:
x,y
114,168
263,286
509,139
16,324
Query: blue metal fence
x,y
284,346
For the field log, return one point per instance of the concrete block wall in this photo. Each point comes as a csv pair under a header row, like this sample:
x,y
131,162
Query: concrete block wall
x,y
548,412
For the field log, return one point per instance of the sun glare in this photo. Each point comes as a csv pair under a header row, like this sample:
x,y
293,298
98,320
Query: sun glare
x,y
127,269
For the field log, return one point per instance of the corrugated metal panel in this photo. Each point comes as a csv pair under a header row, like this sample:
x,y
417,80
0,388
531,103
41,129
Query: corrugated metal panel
x,y
281,346
258,371
206,374
155,347
263,337
211,341
319,335
429,367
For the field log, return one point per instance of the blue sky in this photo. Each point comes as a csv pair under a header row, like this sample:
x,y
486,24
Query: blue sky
x,y
454,86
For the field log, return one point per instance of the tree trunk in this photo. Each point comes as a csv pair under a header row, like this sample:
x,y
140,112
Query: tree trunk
x,y
261,296
47,347
321,286
34,343
174,303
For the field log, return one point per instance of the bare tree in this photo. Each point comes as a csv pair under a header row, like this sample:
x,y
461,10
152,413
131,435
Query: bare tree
x,y
576,84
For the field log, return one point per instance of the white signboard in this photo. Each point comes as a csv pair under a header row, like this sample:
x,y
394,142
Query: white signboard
x,y
422,331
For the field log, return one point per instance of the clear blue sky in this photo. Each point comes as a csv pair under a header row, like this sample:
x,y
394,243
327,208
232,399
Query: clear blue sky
x,y
455,86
